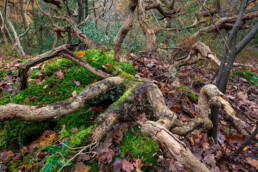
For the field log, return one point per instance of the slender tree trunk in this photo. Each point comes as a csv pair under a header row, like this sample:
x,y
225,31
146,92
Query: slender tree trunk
x,y
223,73
124,29
86,8
151,41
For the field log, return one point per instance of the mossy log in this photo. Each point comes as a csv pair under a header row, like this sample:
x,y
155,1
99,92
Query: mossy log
x,y
36,113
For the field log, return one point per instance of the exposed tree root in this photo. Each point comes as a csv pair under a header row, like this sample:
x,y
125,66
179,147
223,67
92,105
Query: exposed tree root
x,y
176,148
199,51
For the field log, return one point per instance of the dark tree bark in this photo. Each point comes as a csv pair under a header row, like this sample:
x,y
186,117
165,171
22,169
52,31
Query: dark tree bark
x,y
224,72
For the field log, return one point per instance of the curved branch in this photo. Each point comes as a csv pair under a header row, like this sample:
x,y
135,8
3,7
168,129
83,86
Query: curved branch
x,y
24,67
36,113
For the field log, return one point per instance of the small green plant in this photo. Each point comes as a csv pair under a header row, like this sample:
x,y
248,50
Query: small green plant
x,y
192,96
248,75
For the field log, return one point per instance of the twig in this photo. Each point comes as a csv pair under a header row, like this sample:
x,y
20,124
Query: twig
x,y
84,148
247,142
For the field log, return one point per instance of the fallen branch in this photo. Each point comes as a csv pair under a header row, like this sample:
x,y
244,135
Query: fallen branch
x,y
37,113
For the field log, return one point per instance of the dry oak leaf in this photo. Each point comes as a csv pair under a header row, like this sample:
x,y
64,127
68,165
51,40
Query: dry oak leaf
x,y
127,166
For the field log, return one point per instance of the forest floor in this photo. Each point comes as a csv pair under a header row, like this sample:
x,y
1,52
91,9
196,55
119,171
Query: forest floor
x,y
126,149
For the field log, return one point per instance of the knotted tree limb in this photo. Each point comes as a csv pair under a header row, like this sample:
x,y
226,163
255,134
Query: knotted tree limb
x,y
166,119
36,113
123,107
61,50
199,51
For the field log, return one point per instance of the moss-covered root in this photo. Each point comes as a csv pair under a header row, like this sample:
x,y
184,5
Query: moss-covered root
x,y
119,109
35,113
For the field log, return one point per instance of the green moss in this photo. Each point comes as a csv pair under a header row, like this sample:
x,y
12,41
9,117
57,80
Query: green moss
x,y
76,120
183,88
94,166
52,90
127,76
125,96
4,73
33,73
192,96
140,147
22,133
13,167
83,136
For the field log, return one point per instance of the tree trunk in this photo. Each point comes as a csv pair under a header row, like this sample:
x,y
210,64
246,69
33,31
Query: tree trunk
x,y
124,29
151,41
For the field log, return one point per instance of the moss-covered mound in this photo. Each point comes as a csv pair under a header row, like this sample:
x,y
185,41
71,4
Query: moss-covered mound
x,y
52,89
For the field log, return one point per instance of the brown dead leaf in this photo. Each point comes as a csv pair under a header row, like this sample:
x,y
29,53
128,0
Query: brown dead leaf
x,y
60,75
106,157
127,166
45,86
176,108
39,76
223,122
175,83
81,167
117,165
74,130
74,94
137,163
252,162
108,65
